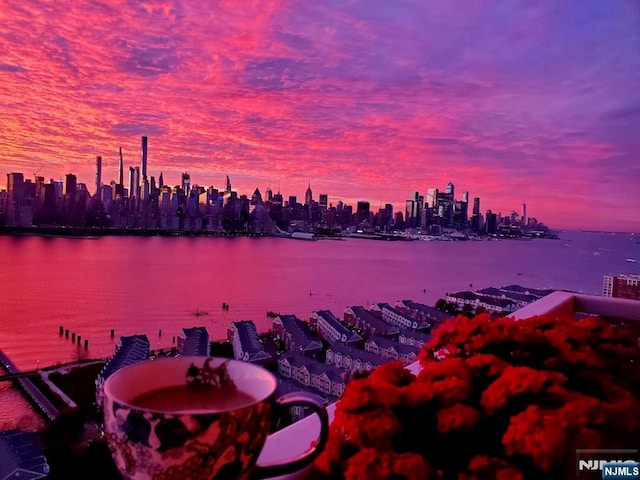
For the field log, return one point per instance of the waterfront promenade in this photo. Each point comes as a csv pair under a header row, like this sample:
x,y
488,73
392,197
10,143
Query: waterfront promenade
x,y
36,396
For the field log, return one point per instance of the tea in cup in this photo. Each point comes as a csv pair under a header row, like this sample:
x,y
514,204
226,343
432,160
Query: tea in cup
x,y
197,418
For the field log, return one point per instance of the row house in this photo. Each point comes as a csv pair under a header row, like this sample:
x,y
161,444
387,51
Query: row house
x,y
352,359
369,322
129,351
419,311
193,342
527,291
332,330
476,301
394,317
413,338
247,345
296,336
310,373
520,299
392,350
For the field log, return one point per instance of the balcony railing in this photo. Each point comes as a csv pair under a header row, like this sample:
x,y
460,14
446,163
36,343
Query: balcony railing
x,y
296,438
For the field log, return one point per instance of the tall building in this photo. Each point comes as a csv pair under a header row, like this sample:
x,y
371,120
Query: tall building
x,y
70,185
524,214
132,182
186,183
362,211
621,286
228,188
432,198
15,197
121,170
308,196
323,200
450,191
98,176
475,219
144,157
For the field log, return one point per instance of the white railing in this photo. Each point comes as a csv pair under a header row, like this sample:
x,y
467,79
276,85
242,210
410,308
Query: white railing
x,y
295,439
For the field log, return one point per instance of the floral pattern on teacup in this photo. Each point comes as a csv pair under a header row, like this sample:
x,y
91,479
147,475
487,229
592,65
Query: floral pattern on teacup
x,y
160,446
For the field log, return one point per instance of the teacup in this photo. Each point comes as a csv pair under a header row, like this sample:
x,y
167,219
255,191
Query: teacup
x,y
160,425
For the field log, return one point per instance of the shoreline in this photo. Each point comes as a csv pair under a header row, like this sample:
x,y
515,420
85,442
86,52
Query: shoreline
x,y
91,233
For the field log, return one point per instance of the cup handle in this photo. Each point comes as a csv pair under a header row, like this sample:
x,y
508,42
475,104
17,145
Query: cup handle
x,y
296,463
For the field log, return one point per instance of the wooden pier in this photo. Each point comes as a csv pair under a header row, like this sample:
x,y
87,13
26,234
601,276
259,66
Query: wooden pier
x,y
35,395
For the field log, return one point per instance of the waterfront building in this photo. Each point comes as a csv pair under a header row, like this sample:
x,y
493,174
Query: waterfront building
x,y
421,312
310,373
331,329
527,291
475,302
129,350
143,163
350,358
21,456
369,322
296,336
393,317
246,342
520,299
413,338
621,286
392,350
193,342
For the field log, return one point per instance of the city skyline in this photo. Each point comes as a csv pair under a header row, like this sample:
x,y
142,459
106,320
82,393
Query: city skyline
x,y
517,102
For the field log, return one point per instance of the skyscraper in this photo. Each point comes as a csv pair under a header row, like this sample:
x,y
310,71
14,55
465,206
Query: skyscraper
x,y
450,191
228,189
524,214
324,201
432,197
308,196
121,170
186,183
132,182
144,157
98,176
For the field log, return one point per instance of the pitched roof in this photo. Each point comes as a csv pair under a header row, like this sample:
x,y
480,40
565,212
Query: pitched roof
x,y
314,367
196,342
300,332
356,353
411,333
330,318
248,335
21,457
432,313
375,322
399,347
132,349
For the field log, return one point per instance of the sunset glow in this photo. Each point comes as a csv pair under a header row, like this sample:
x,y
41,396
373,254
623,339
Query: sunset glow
x,y
511,101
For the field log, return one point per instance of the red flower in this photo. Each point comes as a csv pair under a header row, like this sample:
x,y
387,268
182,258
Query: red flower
x,y
369,464
458,417
517,380
542,435
483,467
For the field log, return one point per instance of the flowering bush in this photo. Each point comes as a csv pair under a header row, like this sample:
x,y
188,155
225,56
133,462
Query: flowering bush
x,y
495,399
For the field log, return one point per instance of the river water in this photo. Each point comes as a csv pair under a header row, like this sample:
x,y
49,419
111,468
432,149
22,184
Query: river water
x,y
140,285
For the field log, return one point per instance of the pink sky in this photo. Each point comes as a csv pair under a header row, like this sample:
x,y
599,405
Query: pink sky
x,y
512,101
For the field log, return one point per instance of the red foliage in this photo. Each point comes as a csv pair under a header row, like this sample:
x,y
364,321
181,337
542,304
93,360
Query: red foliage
x,y
496,399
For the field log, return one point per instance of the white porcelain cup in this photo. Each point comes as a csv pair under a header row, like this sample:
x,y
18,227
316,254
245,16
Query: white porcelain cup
x,y
198,444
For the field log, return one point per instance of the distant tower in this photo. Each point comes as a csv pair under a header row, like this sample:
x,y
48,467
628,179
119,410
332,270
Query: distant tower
x,y
524,214
160,182
450,191
132,182
98,175
228,189
144,157
186,183
120,170
308,196
269,194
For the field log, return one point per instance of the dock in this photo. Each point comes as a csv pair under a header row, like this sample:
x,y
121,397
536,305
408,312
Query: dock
x,y
45,406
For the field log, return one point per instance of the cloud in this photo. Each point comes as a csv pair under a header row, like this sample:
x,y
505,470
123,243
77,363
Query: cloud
x,y
370,99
